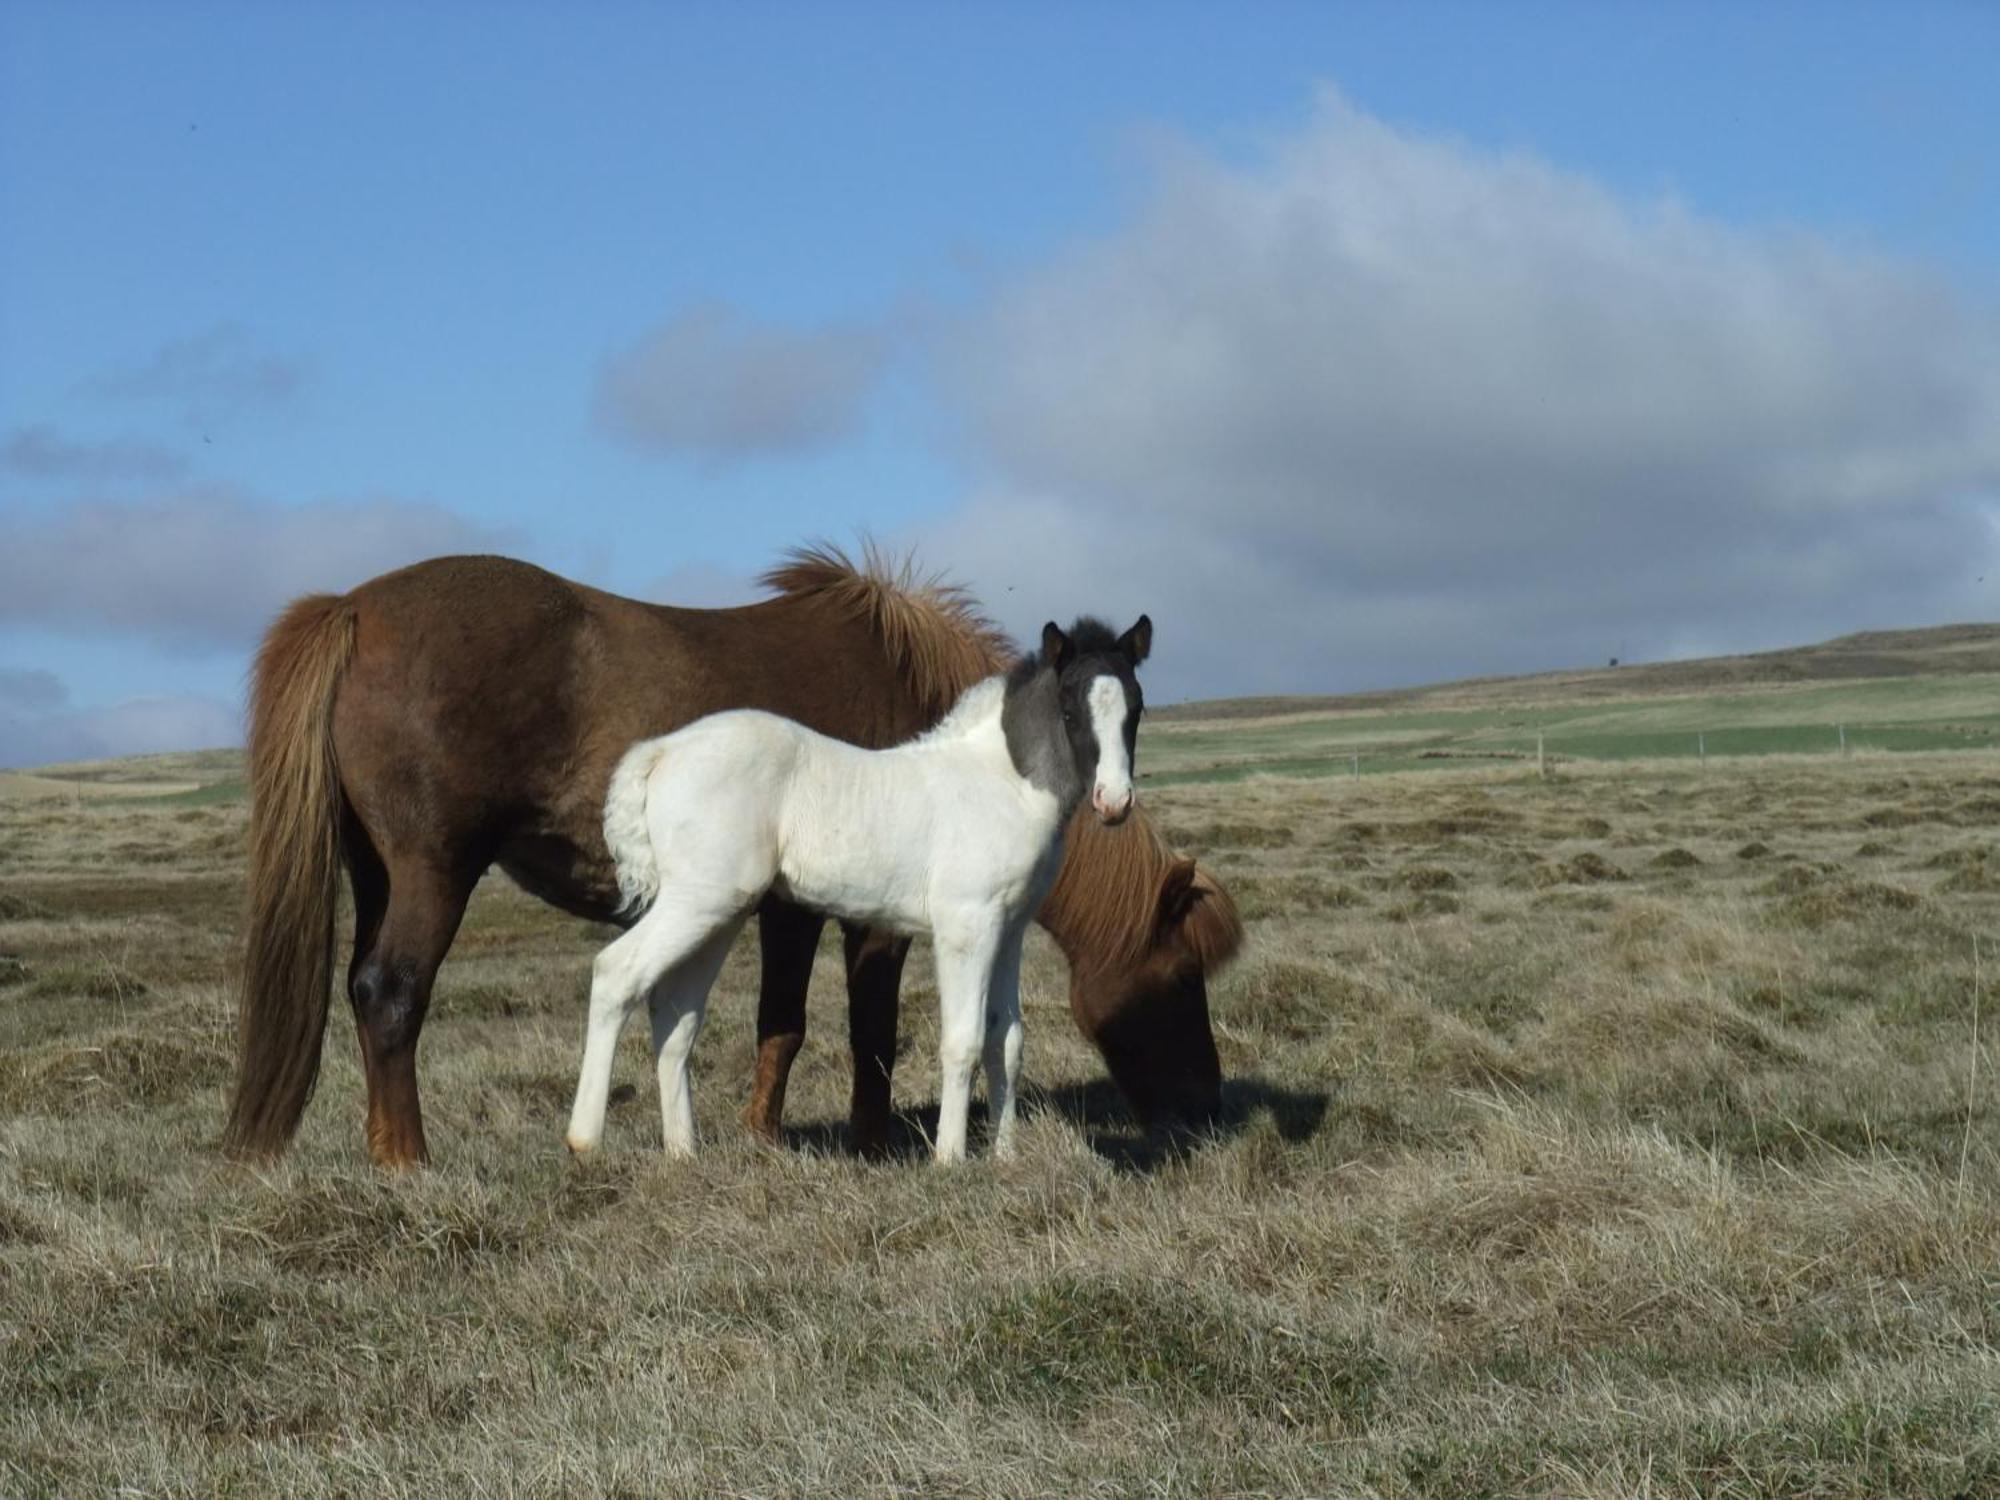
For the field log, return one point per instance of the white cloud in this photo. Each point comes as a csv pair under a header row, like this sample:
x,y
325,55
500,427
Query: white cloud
x,y
208,377
30,690
1382,407
207,567
39,736
709,385
39,451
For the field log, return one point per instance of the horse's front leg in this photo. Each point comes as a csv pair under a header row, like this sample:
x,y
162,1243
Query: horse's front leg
x,y
788,939
1003,1041
874,975
965,955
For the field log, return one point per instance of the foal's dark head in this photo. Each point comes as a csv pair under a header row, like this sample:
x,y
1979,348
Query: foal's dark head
x,y
1072,713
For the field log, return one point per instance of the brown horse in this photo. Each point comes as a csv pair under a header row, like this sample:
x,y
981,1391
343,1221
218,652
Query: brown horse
x,y
468,711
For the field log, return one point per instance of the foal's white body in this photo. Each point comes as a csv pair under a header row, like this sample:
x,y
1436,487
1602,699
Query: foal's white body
x,y
942,835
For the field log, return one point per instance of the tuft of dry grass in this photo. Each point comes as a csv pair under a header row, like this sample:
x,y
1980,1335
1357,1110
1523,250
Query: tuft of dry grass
x,y
1615,1133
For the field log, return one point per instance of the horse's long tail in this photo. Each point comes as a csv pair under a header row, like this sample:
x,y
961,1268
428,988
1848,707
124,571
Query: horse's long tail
x,y
294,872
625,832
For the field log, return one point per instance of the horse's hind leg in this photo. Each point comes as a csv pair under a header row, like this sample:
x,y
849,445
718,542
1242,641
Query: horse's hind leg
x,y
668,935
788,938
874,977
1003,1043
678,1003
406,914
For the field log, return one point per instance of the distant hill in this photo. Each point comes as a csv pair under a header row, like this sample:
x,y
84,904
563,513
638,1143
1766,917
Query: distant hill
x,y
199,767
1939,651
1596,711
176,773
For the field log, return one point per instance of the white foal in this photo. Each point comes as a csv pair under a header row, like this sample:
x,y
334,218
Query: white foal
x,y
957,834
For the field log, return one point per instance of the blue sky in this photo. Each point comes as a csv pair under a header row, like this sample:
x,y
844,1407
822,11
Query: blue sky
x,y
1358,344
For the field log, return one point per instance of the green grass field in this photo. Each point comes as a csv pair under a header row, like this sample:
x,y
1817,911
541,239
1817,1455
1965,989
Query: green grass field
x,y
1958,713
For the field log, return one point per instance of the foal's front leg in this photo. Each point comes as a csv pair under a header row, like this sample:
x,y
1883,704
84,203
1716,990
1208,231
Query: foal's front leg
x,y
965,971
1003,1041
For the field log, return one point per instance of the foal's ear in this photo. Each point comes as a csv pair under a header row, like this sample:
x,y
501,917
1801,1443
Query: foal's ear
x,y
1137,643
1055,646
1177,892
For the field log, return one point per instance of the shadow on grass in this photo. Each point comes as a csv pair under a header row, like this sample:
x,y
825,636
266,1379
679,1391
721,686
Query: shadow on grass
x,y
1098,1111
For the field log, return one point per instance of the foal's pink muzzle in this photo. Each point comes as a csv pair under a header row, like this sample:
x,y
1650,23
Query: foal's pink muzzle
x,y
1112,806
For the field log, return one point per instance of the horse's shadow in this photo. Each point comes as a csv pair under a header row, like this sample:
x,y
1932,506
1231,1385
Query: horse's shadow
x,y
1098,1112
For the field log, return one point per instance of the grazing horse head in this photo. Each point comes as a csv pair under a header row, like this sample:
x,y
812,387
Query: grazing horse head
x,y
1144,930
1072,714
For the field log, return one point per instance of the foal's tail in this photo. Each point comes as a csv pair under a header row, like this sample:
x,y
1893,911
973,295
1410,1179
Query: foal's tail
x,y
294,872
625,830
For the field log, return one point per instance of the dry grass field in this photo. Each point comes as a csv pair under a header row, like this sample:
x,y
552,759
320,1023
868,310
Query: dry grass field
x,y
1623,1133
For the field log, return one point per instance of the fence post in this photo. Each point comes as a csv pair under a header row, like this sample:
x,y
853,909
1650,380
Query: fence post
x,y
1541,766
1701,746
1843,737
1357,766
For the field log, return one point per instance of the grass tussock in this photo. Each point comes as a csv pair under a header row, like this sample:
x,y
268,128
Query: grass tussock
x,y
1620,1132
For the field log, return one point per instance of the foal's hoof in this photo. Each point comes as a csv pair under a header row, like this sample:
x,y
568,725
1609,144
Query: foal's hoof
x,y
579,1148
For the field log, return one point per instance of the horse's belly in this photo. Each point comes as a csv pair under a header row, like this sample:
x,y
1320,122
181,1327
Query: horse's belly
x,y
578,880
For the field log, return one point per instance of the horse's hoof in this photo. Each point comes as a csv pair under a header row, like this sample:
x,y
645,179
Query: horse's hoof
x,y
868,1139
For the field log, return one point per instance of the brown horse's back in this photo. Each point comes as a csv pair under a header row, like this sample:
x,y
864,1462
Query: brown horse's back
x,y
487,701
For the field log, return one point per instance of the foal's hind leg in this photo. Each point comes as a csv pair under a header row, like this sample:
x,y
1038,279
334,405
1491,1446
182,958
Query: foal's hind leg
x,y
679,1002
1003,1042
671,932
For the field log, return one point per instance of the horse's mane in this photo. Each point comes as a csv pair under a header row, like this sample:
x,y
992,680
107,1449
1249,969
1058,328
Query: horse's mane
x,y
1105,902
933,630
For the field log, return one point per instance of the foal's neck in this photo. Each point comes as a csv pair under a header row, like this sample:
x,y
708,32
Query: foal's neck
x,y
1031,718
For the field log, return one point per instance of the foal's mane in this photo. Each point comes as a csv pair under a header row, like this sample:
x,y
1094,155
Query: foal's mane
x,y
1105,903
933,630
1089,636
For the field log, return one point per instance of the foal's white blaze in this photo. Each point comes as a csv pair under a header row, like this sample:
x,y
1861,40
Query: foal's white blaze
x,y
1112,796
